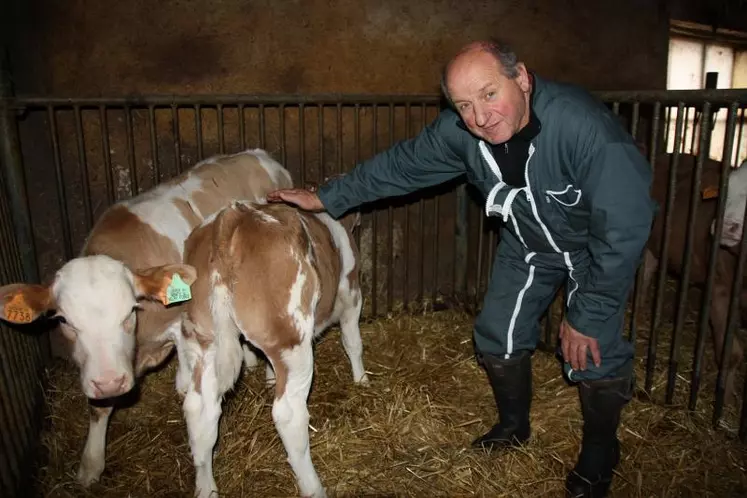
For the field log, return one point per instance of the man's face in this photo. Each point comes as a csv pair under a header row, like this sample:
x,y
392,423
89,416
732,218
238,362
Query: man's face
x,y
493,106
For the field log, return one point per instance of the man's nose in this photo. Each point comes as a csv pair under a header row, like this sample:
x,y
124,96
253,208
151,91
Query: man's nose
x,y
481,115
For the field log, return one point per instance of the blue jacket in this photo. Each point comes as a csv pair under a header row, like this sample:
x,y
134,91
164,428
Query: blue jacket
x,y
586,194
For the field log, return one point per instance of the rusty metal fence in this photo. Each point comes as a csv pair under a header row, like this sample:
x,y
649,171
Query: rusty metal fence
x,y
66,160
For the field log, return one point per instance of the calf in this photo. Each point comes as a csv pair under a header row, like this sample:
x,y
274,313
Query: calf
x,y
278,277
116,336
726,258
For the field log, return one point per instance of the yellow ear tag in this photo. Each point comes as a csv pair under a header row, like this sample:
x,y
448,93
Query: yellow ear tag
x,y
710,193
18,311
178,290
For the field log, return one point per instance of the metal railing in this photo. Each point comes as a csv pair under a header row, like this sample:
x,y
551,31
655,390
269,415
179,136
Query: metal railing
x,y
66,160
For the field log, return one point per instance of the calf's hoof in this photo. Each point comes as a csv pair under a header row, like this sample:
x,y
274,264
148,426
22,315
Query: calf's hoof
x,y
89,472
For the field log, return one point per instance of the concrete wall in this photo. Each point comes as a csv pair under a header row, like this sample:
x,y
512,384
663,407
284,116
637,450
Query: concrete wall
x,y
105,47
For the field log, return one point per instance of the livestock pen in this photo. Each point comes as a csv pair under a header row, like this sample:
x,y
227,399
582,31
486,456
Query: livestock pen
x,y
425,262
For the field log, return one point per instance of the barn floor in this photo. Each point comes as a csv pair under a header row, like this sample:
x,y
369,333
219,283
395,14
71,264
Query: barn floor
x,y
407,434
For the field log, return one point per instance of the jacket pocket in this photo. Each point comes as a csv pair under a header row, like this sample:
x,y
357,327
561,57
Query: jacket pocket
x,y
569,196
566,210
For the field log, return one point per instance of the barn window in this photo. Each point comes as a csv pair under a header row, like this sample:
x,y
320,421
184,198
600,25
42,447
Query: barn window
x,y
694,52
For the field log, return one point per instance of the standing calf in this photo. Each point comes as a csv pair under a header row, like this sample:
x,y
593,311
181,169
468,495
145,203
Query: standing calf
x,y
132,251
278,277
726,256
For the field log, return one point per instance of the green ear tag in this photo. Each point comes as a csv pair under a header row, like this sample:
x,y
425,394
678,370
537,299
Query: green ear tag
x,y
178,290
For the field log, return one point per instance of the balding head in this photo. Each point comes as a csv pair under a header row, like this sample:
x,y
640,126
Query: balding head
x,y
489,89
503,54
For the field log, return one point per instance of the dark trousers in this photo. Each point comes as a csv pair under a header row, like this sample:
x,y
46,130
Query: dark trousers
x,y
522,286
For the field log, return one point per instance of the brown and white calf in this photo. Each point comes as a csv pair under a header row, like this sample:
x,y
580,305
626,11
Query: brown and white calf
x,y
277,276
115,335
727,252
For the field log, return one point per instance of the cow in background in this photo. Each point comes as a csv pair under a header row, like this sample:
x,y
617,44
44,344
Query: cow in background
x,y
727,253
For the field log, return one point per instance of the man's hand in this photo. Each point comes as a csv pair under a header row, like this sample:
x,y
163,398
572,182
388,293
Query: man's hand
x,y
575,346
305,199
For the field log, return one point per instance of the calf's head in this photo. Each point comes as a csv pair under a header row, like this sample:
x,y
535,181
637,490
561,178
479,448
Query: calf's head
x,y
95,299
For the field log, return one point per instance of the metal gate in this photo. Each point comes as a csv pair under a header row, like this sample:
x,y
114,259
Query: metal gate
x,y
66,160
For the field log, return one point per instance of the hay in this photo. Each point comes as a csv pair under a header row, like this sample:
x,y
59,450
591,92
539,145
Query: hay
x,y
407,434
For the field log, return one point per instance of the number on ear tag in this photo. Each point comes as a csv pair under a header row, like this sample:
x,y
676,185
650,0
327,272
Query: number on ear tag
x,y
178,290
18,311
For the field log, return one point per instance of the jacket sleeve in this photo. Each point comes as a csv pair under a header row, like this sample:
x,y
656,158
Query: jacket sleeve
x,y
422,161
616,179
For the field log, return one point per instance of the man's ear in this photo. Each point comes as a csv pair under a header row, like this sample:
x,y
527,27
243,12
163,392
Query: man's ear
x,y
24,303
167,284
523,77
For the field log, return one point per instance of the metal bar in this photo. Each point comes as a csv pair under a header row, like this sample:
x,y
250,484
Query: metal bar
x,y
406,233
107,155
281,110
242,127
740,135
8,417
688,97
339,138
198,131
434,290
61,197
221,135
228,99
697,124
134,188
390,230
687,267
743,416
421,221
639,274
156,173
461,241
262,130
320,127
664,256
616,108
374,234
177,138
710,275
18,372
11,167
357,154
83,165
301,145
480,250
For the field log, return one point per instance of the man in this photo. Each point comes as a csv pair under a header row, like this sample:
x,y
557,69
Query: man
x,y
573,191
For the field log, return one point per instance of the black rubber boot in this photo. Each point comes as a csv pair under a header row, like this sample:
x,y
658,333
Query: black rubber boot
x,y
511,380
601,404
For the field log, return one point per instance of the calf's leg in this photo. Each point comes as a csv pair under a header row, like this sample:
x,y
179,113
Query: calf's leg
x,y
202,410
94,452
351,337
294,369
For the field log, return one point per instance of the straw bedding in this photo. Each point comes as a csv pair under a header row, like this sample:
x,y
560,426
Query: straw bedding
x,y
407,434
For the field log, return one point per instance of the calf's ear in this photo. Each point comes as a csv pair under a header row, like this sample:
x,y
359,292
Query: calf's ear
x,y
168,283
24,303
